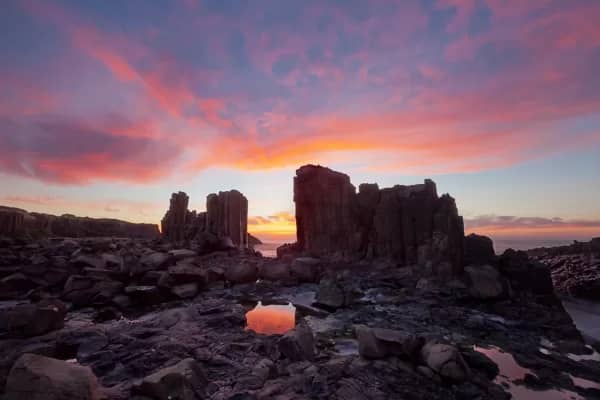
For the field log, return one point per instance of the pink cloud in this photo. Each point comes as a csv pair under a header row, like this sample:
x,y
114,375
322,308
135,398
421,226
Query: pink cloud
x,y
456,121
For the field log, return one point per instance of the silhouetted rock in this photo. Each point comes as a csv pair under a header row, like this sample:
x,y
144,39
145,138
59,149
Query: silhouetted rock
x,y
325,203
11,221
485,282
32,319
223,225
184,381
242,273
298,344
376,343
410,224
525,274
306,269
35,377
288,250
445,360
575,268
330,295
173,224
479,250
275,272
20,223
253,240
227,216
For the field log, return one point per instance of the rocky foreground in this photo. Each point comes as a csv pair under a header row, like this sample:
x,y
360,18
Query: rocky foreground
x,y
575,268
146,319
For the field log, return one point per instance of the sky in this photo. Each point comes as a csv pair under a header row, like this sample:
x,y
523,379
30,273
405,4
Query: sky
x,y
107,107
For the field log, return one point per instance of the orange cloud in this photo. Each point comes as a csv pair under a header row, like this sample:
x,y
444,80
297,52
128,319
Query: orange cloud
x,y
279,228
447,124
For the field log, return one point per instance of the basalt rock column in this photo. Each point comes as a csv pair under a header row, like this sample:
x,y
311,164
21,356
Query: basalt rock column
x,y
11,221
325,204
409,224
227,216
173,224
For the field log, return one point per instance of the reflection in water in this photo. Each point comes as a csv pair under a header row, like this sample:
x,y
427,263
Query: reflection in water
x,y
271,319
268,250
511,371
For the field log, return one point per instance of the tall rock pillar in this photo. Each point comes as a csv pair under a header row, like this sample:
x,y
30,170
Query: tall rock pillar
x,y
227,216
173,224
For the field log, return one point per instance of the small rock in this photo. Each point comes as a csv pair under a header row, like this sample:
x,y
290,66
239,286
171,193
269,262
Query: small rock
x,y
479,250
306,269
375,343
298,344
154,261
185,291
180,254
183,381
33,319
275,272
242,273
144,295
330,295
113,261
446,360
87,260
368,345
35,377
485,282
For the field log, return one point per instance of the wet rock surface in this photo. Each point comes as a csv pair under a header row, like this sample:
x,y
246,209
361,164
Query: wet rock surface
x,y
575,268
175,325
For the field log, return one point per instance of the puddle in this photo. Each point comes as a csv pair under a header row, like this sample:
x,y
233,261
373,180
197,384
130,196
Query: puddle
x,y
510,371
584,383
271,319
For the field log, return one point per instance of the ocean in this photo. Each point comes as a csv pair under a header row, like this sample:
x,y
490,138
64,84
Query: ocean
x,y
500,245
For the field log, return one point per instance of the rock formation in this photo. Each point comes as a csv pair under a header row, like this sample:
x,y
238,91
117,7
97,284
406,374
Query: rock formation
x,y
11,221
411,224
226,216
479,250
174,222
575,268
15,222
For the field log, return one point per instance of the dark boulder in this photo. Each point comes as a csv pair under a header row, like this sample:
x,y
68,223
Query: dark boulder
x,y
185,380
526,274
479,250
35,377
29,320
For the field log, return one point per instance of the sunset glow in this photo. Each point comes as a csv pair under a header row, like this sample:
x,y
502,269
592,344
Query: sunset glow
x,y
108,108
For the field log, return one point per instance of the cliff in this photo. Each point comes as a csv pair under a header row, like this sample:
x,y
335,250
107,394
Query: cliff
x,y
15,222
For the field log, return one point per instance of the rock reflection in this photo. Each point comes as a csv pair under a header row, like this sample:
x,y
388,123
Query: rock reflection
x,y
271,319
510,371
